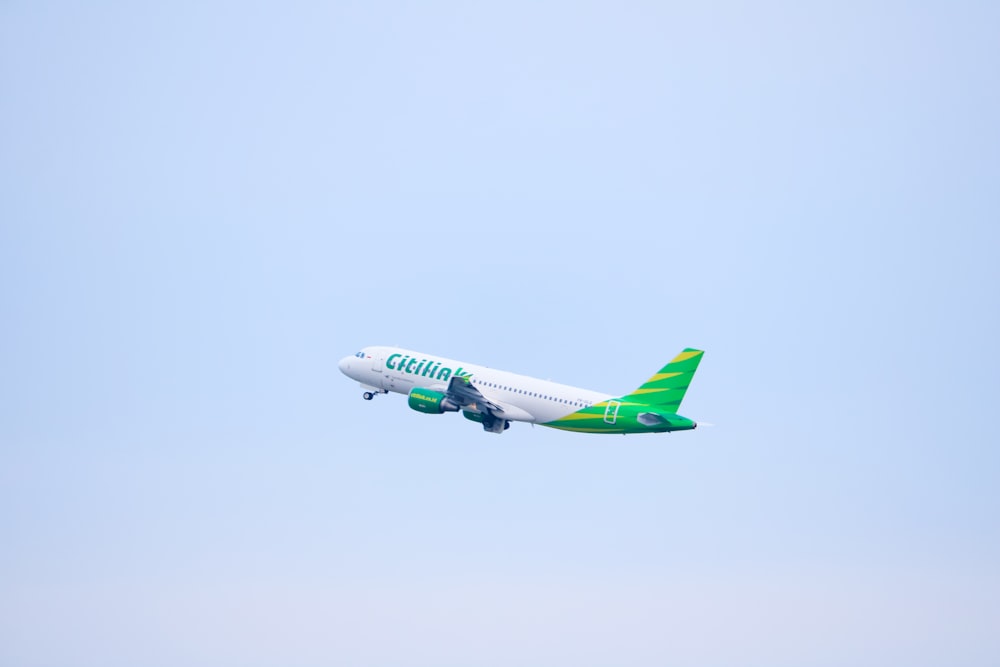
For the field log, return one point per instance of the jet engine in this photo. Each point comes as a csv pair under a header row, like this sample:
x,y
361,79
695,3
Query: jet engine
x,y
431,402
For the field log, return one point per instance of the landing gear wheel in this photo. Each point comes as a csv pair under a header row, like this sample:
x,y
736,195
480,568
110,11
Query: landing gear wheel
x,y
368,396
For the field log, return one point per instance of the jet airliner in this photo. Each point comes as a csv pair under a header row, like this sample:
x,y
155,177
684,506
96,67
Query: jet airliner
x,y
495,398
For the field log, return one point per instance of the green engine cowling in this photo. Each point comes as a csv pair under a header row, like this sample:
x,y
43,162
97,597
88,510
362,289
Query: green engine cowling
x,y
430,402
473,416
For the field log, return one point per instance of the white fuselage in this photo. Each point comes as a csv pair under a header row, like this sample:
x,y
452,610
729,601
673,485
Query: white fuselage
x,y
524,398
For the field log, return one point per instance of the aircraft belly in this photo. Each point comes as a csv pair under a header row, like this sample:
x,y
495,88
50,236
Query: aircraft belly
x,y
398,384
550,413
515,413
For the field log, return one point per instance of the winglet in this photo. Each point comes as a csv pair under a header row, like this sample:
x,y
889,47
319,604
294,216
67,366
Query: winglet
x,y
666,389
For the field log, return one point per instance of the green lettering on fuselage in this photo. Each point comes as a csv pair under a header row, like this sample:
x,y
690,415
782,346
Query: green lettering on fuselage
x,y
404,363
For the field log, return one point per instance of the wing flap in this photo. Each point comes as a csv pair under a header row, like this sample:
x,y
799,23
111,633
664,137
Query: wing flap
x,y
462,391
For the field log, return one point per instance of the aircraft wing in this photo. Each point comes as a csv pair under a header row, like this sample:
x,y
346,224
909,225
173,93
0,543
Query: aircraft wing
x,y
465,394
462,391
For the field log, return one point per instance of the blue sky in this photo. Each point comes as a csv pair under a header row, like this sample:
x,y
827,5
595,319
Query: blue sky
x,y
203,206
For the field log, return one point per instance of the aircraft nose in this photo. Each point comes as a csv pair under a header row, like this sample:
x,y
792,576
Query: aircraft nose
x,y
345,365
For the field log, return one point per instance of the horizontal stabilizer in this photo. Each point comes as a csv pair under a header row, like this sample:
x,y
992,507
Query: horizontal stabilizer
x,y
650,419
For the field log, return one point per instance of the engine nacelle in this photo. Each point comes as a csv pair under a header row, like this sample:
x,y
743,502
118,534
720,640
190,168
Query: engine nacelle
x,y
473,416
431,402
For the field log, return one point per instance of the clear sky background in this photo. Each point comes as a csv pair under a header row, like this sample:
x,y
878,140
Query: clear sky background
x,y
204,206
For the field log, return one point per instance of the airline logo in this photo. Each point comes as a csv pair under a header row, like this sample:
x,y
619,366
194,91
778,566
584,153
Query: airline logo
x,y
423,367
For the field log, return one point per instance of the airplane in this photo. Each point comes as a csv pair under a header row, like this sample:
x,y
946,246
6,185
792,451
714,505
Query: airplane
x,y
495,398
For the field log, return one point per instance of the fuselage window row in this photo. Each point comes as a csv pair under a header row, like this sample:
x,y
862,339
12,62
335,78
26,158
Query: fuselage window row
x,y
579,404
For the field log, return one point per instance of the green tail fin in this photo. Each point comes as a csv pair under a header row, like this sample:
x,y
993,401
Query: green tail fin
x,y
666,389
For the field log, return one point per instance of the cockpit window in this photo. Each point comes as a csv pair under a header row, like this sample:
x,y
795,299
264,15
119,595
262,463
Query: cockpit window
x,y
359,355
